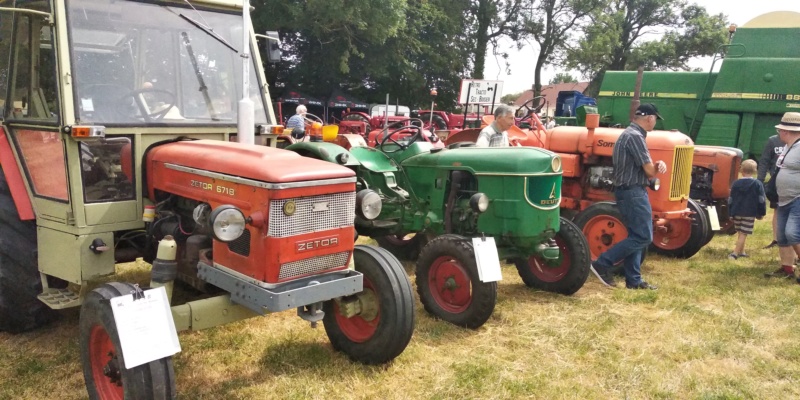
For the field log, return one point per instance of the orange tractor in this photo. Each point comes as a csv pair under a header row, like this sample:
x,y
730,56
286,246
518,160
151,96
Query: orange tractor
x,y
680,224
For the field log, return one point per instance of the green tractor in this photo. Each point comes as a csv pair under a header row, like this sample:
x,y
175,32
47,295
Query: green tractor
x,y
441,205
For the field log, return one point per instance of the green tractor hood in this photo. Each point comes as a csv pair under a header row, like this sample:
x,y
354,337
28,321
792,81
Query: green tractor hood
x,y
483,161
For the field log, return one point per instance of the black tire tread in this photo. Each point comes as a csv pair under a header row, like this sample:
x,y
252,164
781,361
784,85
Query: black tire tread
x,y
580,260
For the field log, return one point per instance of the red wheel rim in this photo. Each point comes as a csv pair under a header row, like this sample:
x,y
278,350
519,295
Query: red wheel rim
x,y
675,236
602,232
450,285
356,328
102,357
551,271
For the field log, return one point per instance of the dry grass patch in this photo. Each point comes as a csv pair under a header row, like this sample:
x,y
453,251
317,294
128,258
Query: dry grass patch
x,y
715,330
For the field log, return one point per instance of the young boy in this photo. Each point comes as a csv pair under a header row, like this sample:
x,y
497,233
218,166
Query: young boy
x,y
746,203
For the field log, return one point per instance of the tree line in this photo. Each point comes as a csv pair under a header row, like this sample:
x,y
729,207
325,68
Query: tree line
x,y
405,47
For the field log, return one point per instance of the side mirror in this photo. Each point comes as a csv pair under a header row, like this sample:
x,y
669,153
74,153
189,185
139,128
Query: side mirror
x,y
273,46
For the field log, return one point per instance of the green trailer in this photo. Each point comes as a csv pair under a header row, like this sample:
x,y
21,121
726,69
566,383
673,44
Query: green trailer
x,y
737,106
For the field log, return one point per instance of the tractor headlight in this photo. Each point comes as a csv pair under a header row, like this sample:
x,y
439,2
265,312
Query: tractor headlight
x,y
555,162
368,204
227,223
479,202
654,184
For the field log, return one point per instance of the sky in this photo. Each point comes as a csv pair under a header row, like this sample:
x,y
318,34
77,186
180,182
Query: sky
x,y
522,61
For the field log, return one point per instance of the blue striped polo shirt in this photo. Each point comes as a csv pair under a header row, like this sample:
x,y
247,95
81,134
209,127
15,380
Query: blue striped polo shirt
x,y
630,154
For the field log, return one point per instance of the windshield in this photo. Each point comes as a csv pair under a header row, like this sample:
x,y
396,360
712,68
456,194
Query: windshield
x,y
139,63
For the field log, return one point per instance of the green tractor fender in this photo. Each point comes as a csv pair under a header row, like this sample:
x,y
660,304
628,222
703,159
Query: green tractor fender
x,y
325,151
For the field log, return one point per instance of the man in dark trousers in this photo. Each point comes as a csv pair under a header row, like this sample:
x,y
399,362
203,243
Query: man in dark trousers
x,y
766,163
633,169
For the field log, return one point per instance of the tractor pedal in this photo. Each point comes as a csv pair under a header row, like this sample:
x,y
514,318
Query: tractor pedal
x,y
59,299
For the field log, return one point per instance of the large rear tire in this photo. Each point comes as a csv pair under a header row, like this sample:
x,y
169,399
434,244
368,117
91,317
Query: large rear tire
x,y
103,361
20,281
602,225
385,326
683,238
448,283
565,275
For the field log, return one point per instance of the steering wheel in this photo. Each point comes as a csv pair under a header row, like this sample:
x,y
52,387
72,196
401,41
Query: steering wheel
x,y
528,106
412,124
313,118
143,107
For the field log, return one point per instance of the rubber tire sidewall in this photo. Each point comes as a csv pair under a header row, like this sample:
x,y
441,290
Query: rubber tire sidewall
x,y
484,294
154,380
578,248
397,311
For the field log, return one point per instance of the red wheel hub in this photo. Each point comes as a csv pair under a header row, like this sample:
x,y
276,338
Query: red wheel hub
x,y
106,368
551,270
675,236
356,328
450,285
602,232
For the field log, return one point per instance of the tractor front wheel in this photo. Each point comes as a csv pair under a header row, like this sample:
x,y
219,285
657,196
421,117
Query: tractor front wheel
x,y
683,238
103,361
384,325
602,225
568,273
448,283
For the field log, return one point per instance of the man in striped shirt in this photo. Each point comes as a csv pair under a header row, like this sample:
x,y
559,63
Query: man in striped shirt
x,y
633,169
495,134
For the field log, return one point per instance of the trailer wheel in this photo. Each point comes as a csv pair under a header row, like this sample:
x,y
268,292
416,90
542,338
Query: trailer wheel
x,y
438,122
404,247
448,284
20,281
602,225
565,275
102,360
383,328
683,238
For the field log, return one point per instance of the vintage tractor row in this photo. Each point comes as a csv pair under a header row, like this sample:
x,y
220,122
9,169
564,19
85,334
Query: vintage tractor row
x,y
429,204
115,143
680,224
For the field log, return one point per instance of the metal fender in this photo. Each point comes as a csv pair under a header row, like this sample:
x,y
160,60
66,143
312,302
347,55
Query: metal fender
x,y
325,151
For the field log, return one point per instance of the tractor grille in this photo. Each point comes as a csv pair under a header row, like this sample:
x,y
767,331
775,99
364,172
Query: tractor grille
x,y
312,214
241,245
681,173
313,265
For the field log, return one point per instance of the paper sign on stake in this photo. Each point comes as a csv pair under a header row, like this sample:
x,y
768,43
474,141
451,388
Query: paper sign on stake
x,y
145,327
487,258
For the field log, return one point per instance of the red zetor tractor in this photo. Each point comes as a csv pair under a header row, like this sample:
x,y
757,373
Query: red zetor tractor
x,y
679,223
115,145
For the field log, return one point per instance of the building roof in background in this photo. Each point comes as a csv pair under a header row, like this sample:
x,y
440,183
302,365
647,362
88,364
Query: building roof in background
x,y
550,93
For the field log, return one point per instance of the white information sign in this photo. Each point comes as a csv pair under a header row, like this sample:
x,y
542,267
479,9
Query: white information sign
x,y
474,91
488,260
713,218
145,327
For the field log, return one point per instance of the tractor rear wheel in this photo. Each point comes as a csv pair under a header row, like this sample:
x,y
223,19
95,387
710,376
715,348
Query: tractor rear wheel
x,y
20,281
383,328
683,238
404,247
102,359
602,225
565,275
448,283
438,122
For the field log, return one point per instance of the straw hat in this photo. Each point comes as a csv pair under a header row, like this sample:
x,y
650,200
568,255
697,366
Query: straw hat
x,y
790,122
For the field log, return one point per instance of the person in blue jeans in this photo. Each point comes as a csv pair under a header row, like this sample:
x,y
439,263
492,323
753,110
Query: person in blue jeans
x,y
788,184
633,169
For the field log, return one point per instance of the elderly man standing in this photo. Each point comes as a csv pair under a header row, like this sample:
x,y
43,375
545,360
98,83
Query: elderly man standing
x,y
788,185
633,169
297,123
495,134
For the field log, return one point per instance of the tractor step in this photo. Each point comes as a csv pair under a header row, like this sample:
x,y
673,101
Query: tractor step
x,y
59,299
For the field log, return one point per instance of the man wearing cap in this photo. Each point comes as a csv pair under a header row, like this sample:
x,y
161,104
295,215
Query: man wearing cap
x,y
788,185
633,169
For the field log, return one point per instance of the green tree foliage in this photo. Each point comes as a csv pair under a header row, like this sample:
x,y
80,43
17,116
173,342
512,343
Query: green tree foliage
x,y
551,23
510,98
488,21
661,34
563,77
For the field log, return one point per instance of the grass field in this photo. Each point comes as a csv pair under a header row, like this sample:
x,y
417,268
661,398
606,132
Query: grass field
x,y
716,329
